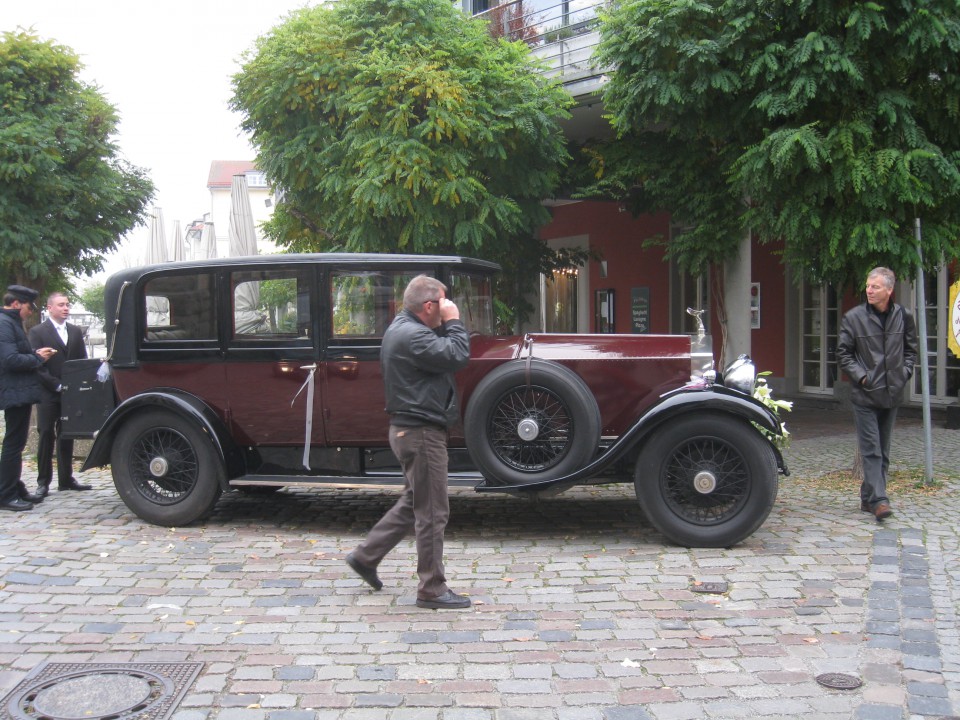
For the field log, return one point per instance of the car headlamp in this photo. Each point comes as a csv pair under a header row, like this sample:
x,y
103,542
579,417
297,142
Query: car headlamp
x,y
741,375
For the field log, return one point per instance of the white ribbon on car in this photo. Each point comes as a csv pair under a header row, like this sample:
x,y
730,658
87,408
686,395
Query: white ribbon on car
x,y
309,384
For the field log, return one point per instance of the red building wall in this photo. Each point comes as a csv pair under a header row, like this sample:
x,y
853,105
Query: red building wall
x,y
767,343
618,238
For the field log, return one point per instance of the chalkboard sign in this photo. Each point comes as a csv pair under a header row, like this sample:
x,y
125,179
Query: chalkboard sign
x,y
640,309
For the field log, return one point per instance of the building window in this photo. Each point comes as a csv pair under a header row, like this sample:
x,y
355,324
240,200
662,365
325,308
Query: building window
x,y
820,321
559,309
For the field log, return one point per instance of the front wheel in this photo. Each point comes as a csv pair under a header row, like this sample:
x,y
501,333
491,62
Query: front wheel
x,y
706,481
165,468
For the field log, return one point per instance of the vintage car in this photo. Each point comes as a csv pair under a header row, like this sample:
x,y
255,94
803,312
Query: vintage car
x,y
263,372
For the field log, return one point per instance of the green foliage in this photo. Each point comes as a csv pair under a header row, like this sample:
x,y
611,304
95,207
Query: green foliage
x,y
66,196
276,299
401,126
92,300
829,125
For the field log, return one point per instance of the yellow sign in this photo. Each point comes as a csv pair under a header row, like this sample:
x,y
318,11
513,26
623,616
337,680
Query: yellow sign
x,y
953,337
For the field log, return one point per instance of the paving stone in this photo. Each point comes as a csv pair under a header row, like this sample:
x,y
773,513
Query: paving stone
x,y
598,619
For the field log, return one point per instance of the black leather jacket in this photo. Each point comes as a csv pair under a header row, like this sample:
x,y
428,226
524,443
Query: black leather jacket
x,y
878,358
19,382
418,365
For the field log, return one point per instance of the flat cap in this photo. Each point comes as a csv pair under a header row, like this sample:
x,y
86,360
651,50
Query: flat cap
x,y
22,293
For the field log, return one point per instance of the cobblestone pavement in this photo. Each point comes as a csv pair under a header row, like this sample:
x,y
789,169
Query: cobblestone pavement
x,y
581,609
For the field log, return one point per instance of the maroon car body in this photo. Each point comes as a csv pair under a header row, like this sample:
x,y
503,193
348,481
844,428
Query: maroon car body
x,y
264,372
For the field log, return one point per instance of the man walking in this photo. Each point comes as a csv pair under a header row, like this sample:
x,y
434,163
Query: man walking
x,y
19,390
67,339
423,347
877,350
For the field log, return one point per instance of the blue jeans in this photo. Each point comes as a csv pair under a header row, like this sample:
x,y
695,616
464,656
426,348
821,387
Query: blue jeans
x,y
17,421
423,508
874,429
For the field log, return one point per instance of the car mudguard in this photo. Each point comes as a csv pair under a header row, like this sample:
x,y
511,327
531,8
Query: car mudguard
x,y
182,403
685,400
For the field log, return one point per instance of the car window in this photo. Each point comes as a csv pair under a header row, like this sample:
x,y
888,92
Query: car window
x,y
363,304
473,295
180,307
270,305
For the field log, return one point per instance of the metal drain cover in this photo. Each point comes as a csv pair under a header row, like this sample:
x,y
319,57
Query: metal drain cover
x,y
839,681
100,691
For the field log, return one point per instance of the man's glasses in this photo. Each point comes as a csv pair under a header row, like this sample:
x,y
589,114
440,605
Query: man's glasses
x,y
427,302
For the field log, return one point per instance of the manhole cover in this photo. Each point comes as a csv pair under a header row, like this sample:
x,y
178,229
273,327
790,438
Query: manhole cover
x,y
95,691
839,681
717,588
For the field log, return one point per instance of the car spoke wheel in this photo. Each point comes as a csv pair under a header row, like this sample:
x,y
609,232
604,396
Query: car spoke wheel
x,y
527,422
707,480
531,429
165,469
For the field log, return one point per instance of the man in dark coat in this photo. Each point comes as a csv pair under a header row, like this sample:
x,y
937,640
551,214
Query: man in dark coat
x,y
877,349
19,390
422,349
67,339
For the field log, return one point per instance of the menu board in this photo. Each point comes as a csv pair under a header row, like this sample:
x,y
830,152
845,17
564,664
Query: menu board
x,y
640,309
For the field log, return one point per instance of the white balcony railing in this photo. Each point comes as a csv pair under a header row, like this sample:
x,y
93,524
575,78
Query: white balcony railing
x,y
563,35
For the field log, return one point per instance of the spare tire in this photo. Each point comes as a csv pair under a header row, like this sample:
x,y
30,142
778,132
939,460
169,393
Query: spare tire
x,y
529,421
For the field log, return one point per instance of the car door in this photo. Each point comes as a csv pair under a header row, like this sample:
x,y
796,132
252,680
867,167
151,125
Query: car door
x,y
358,306
271,355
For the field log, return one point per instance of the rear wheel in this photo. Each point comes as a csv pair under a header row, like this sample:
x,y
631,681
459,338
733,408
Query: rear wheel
x,y
706,481
165,468
528,422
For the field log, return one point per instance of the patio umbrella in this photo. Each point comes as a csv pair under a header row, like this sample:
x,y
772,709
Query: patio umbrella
x,y
243,241
157,249
179,248
208,241
158,309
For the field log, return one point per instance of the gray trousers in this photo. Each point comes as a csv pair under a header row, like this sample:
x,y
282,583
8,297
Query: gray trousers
x,y
874,429
424,507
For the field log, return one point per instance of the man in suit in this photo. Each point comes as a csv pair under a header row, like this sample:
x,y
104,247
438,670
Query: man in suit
x,y
67,339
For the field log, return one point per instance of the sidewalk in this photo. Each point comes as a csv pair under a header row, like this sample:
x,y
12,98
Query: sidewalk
x,y
582,612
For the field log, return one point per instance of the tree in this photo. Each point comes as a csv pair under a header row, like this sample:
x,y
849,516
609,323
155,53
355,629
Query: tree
x,y
827,125
93,301
66,196
403,126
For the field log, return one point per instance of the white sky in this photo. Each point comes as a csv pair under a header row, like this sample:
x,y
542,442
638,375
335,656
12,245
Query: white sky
x,y
166,67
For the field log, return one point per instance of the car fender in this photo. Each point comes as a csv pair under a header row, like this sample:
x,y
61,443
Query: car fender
x,y
685,400
184,404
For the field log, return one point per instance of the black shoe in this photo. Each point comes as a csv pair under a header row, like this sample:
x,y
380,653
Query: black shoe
x,y
16,505
865,507
74,485
42,491
368,574
448,601
27,497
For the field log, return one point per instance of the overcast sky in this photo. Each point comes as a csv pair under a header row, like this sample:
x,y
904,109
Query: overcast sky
x,y
166,67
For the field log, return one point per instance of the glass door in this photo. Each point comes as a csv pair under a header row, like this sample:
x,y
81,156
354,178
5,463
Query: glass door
x,y
559,308
943,366
820,320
